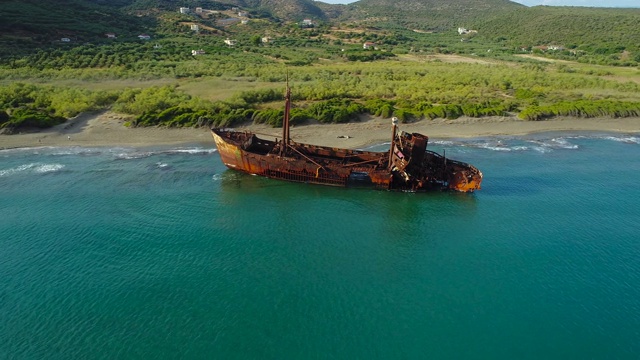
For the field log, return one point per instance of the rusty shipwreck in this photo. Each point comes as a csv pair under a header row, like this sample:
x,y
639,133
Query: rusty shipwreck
x,y
407,166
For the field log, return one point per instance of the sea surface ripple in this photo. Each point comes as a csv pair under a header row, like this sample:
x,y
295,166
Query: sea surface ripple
x,y
164,253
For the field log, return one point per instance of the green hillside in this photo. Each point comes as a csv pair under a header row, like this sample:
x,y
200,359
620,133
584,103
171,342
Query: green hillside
x,y
29,24
611,33
284,9
65,18
428,14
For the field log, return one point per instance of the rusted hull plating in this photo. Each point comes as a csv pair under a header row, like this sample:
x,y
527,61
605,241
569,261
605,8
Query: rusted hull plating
x,y
408,167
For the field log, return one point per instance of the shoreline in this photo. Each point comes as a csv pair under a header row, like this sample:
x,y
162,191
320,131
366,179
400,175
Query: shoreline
x,y
107,129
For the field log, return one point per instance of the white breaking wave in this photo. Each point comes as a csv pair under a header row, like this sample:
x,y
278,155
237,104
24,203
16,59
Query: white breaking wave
x,y
190,151
545,146
494,146
541,149
15,170
132,155
442,142
46,168
624,139
515,144
128,154
562,143
33,167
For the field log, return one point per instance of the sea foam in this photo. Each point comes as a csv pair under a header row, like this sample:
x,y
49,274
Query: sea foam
x,y
33,167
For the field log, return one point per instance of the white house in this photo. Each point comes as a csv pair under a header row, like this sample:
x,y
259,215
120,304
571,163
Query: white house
x,y
463,31
195,27
265,39
198,10
368,45
243,14
65,40
307,22
244,21
230,42
184,10
144,37
110,35
197,52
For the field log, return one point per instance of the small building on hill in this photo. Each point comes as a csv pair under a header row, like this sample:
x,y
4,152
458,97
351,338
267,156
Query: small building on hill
x,y
463,31
110,35
230,42
144,37
368,45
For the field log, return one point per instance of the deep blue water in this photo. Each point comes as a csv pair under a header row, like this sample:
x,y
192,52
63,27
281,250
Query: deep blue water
x,y
163,253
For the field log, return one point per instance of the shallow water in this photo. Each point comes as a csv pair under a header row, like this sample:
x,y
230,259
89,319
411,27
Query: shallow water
x,y
162,252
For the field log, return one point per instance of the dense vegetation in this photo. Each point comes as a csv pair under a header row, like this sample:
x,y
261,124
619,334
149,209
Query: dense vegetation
x,y
410,90
439,15
602,36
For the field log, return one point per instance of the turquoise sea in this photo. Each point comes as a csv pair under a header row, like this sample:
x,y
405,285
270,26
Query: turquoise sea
x,y
163,253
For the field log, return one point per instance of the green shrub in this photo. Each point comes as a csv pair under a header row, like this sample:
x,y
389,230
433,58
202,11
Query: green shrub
x,y
582,108
4,117
25,118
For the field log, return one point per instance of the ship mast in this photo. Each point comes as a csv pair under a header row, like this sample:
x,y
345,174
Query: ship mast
x,y
285,121
394,122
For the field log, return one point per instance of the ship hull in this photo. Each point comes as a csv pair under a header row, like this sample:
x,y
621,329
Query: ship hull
x,y
274,166
245,152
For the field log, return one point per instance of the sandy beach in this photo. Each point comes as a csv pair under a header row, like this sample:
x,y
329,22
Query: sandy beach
x,y
107,129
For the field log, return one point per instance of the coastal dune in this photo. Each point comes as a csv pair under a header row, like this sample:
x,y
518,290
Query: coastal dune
x,y
108,129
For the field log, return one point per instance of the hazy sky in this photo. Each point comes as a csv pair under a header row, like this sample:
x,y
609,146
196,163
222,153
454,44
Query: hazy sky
x,y
596,3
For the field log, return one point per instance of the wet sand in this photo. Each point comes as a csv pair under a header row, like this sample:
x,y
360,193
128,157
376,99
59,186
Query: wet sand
x,y
107,129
